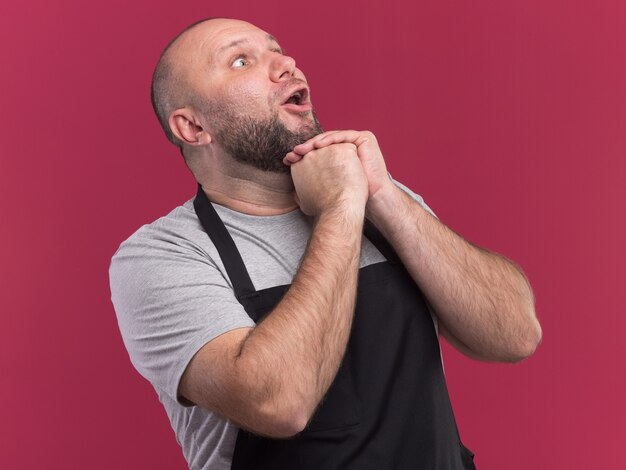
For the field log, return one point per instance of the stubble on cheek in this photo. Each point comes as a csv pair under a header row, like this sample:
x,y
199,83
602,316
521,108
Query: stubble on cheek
x,y
261,143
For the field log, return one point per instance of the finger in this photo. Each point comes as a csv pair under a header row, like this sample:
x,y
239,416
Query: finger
x,y
291,157
342,137
306,147
309,145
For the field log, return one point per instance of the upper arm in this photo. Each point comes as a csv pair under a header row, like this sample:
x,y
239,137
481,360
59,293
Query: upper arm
x,y
170,300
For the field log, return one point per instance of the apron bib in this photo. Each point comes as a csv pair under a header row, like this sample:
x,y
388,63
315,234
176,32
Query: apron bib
x,y
388,407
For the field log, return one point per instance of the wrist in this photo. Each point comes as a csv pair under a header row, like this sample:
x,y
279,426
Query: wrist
x,y
343,213
383,202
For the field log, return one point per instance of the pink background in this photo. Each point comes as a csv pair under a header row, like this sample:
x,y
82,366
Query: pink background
x,y
508,117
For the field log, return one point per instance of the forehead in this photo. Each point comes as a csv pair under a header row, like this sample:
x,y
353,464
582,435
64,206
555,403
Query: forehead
x,y
211,38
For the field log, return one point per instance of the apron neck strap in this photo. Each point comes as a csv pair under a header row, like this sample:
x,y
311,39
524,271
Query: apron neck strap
x,y
380,242
229,254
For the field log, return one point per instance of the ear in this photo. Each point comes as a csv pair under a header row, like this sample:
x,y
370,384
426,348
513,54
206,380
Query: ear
x,y
187,128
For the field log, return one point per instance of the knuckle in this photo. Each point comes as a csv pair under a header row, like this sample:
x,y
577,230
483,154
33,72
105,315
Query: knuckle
x,y
369,135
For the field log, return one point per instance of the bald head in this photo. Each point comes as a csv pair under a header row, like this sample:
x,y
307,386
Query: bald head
x,y
171,88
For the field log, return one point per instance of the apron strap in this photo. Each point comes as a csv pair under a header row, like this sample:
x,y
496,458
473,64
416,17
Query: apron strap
x,y
380,242
229,254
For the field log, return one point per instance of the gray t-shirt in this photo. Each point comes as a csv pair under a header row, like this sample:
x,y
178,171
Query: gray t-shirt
x,y
172,295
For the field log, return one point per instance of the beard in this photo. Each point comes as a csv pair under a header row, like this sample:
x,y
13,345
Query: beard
x,y
260,143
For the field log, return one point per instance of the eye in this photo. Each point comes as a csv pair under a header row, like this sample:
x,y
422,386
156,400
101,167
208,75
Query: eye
x,y
239,62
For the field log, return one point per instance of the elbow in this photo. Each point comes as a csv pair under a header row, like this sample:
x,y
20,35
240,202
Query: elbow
x,y
529,333
270,405
281,421
291,425
527,344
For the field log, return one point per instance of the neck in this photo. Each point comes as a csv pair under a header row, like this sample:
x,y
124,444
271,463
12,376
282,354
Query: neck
x,y
249,190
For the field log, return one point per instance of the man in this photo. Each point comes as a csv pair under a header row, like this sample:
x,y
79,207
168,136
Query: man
x,y
288,316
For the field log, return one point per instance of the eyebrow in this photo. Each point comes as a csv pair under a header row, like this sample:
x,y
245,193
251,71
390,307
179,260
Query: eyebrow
x,y
238,42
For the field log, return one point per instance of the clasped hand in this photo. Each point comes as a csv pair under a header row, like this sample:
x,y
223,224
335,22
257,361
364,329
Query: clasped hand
x,y
368,151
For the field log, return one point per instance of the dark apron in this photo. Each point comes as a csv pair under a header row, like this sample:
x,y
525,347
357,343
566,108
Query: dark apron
x,y
388,407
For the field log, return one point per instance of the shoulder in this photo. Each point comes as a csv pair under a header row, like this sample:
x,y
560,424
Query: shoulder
x,y
179,229
161,254
170,297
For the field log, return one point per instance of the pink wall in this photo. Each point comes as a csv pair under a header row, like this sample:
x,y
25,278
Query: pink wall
x,y
509,118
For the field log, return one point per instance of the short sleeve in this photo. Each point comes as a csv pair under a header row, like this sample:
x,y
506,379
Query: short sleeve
x,y
170,299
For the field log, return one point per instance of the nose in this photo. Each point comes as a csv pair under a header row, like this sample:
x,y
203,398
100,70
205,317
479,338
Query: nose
x,y
282,67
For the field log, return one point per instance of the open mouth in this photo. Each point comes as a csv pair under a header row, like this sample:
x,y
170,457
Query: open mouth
x,y
298,99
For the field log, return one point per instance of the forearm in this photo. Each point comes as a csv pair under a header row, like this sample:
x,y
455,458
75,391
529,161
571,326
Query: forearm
x,y
292,356
482,299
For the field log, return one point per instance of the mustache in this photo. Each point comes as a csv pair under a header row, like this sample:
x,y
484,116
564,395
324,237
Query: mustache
x,y
286,87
